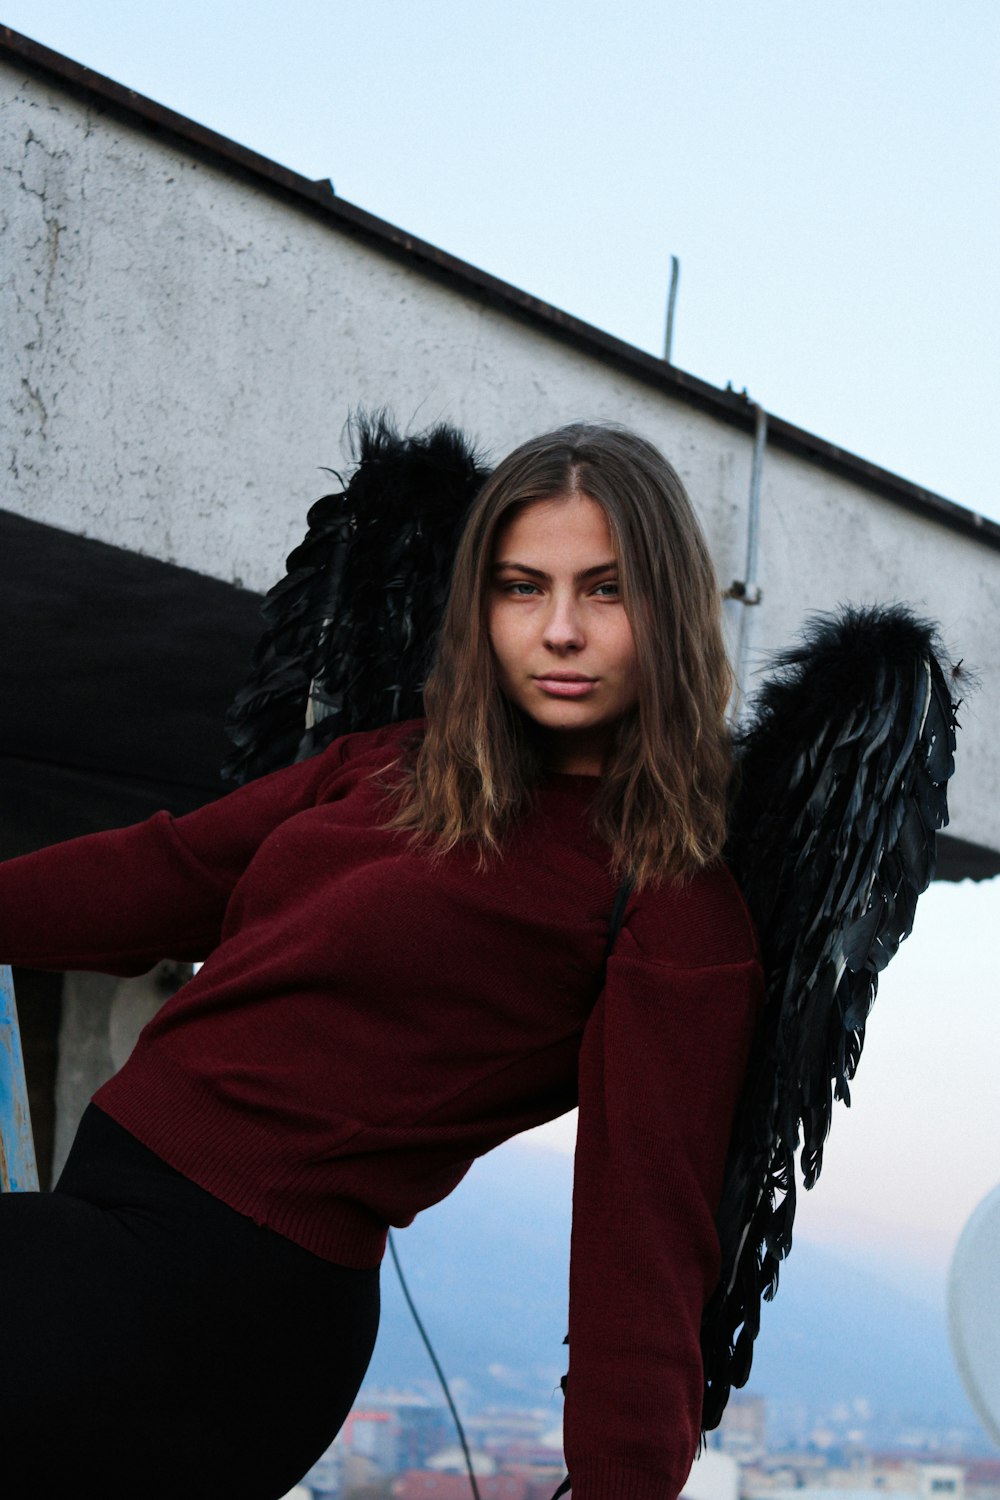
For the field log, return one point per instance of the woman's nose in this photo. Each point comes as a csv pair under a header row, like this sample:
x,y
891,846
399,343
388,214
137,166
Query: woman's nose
x,y
564,626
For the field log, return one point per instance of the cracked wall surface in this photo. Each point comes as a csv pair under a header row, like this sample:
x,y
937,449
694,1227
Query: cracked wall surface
x,y
187,349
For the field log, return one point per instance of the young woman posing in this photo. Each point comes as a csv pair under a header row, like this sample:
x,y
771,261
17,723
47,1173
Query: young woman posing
x,y
404,964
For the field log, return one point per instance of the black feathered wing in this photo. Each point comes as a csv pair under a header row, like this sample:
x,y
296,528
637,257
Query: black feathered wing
x,y
843,779
350,629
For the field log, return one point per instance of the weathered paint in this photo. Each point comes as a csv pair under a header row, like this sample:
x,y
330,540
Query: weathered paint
x,y
18,1173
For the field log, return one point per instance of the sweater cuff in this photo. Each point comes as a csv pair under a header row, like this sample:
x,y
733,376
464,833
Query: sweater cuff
x,y
608,1479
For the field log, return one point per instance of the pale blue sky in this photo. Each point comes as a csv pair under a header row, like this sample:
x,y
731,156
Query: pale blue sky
x,y
828,176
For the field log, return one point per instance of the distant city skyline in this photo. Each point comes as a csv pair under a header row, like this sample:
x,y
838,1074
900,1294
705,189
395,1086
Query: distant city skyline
x,y
839,1450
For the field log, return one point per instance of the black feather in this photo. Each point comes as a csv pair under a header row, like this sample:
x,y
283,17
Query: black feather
x,y
350,629
842,780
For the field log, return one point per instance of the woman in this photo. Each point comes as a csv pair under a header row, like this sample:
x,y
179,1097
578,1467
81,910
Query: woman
x,y
404,964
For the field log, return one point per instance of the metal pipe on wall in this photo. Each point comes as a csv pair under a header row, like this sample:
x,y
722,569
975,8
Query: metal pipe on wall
x,y
748,591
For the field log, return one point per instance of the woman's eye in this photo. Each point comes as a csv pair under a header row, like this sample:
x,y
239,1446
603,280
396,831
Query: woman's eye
x,y
609,590
521,589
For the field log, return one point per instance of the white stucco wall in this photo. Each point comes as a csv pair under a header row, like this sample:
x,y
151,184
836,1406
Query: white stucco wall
x,y
188,348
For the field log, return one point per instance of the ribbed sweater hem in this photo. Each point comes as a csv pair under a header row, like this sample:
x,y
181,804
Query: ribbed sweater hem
x,y
609,1479
236,1160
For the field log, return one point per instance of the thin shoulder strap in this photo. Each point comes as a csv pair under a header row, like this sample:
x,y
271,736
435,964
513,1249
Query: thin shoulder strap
x,y
618,914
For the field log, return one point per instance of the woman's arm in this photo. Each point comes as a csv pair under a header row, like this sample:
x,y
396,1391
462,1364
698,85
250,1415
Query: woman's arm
x,y
119,901
661,1067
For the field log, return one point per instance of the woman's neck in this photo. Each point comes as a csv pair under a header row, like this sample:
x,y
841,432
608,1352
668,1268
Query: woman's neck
x,y
573,754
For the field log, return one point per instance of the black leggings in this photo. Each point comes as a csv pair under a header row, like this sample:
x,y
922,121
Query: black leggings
x,y
154,1342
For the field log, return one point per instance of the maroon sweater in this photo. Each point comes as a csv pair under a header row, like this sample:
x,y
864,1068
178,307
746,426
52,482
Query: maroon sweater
x,y
368,1021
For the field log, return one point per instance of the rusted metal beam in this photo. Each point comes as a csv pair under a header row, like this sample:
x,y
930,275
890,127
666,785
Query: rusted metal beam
x,y
18,1173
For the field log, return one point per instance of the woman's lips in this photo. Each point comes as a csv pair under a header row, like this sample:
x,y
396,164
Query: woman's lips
x,y
567,687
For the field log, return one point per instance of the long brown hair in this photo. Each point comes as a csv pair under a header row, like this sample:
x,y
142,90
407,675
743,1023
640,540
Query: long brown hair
x,y
661,806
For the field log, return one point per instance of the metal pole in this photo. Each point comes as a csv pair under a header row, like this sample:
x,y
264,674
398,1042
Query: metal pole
x,y
18,1173
751,592
675,276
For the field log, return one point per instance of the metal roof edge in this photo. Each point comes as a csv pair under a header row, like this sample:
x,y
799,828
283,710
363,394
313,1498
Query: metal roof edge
x,y
319,199
962,859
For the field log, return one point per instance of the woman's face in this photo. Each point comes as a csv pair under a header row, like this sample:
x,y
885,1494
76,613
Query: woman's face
x,y
559,631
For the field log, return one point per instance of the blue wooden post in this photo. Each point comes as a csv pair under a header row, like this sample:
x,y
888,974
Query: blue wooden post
x,y
18,1173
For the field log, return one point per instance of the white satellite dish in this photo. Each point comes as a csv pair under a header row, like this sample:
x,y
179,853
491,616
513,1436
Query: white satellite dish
x,y
974,1311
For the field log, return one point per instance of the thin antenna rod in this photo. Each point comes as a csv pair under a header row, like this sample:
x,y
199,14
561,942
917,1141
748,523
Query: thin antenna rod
x,y
438,1370
675,276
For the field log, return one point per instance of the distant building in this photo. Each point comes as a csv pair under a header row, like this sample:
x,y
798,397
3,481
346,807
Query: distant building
x,y
422,1427
982,1479
452,1461
920,1481
424,1485
373,1435
743,1429
714,1476
941,1480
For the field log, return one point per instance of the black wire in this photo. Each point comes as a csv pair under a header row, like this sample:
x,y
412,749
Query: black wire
x,y
434,1361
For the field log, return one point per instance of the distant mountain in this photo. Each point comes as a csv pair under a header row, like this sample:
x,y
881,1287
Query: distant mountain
x,y
834,1333
488,1270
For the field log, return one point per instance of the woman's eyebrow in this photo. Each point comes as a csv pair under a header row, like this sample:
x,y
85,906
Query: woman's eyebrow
x,y
581,577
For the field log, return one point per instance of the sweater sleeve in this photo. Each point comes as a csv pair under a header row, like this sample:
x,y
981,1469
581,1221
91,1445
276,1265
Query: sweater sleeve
x,y
661,1066
120,901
